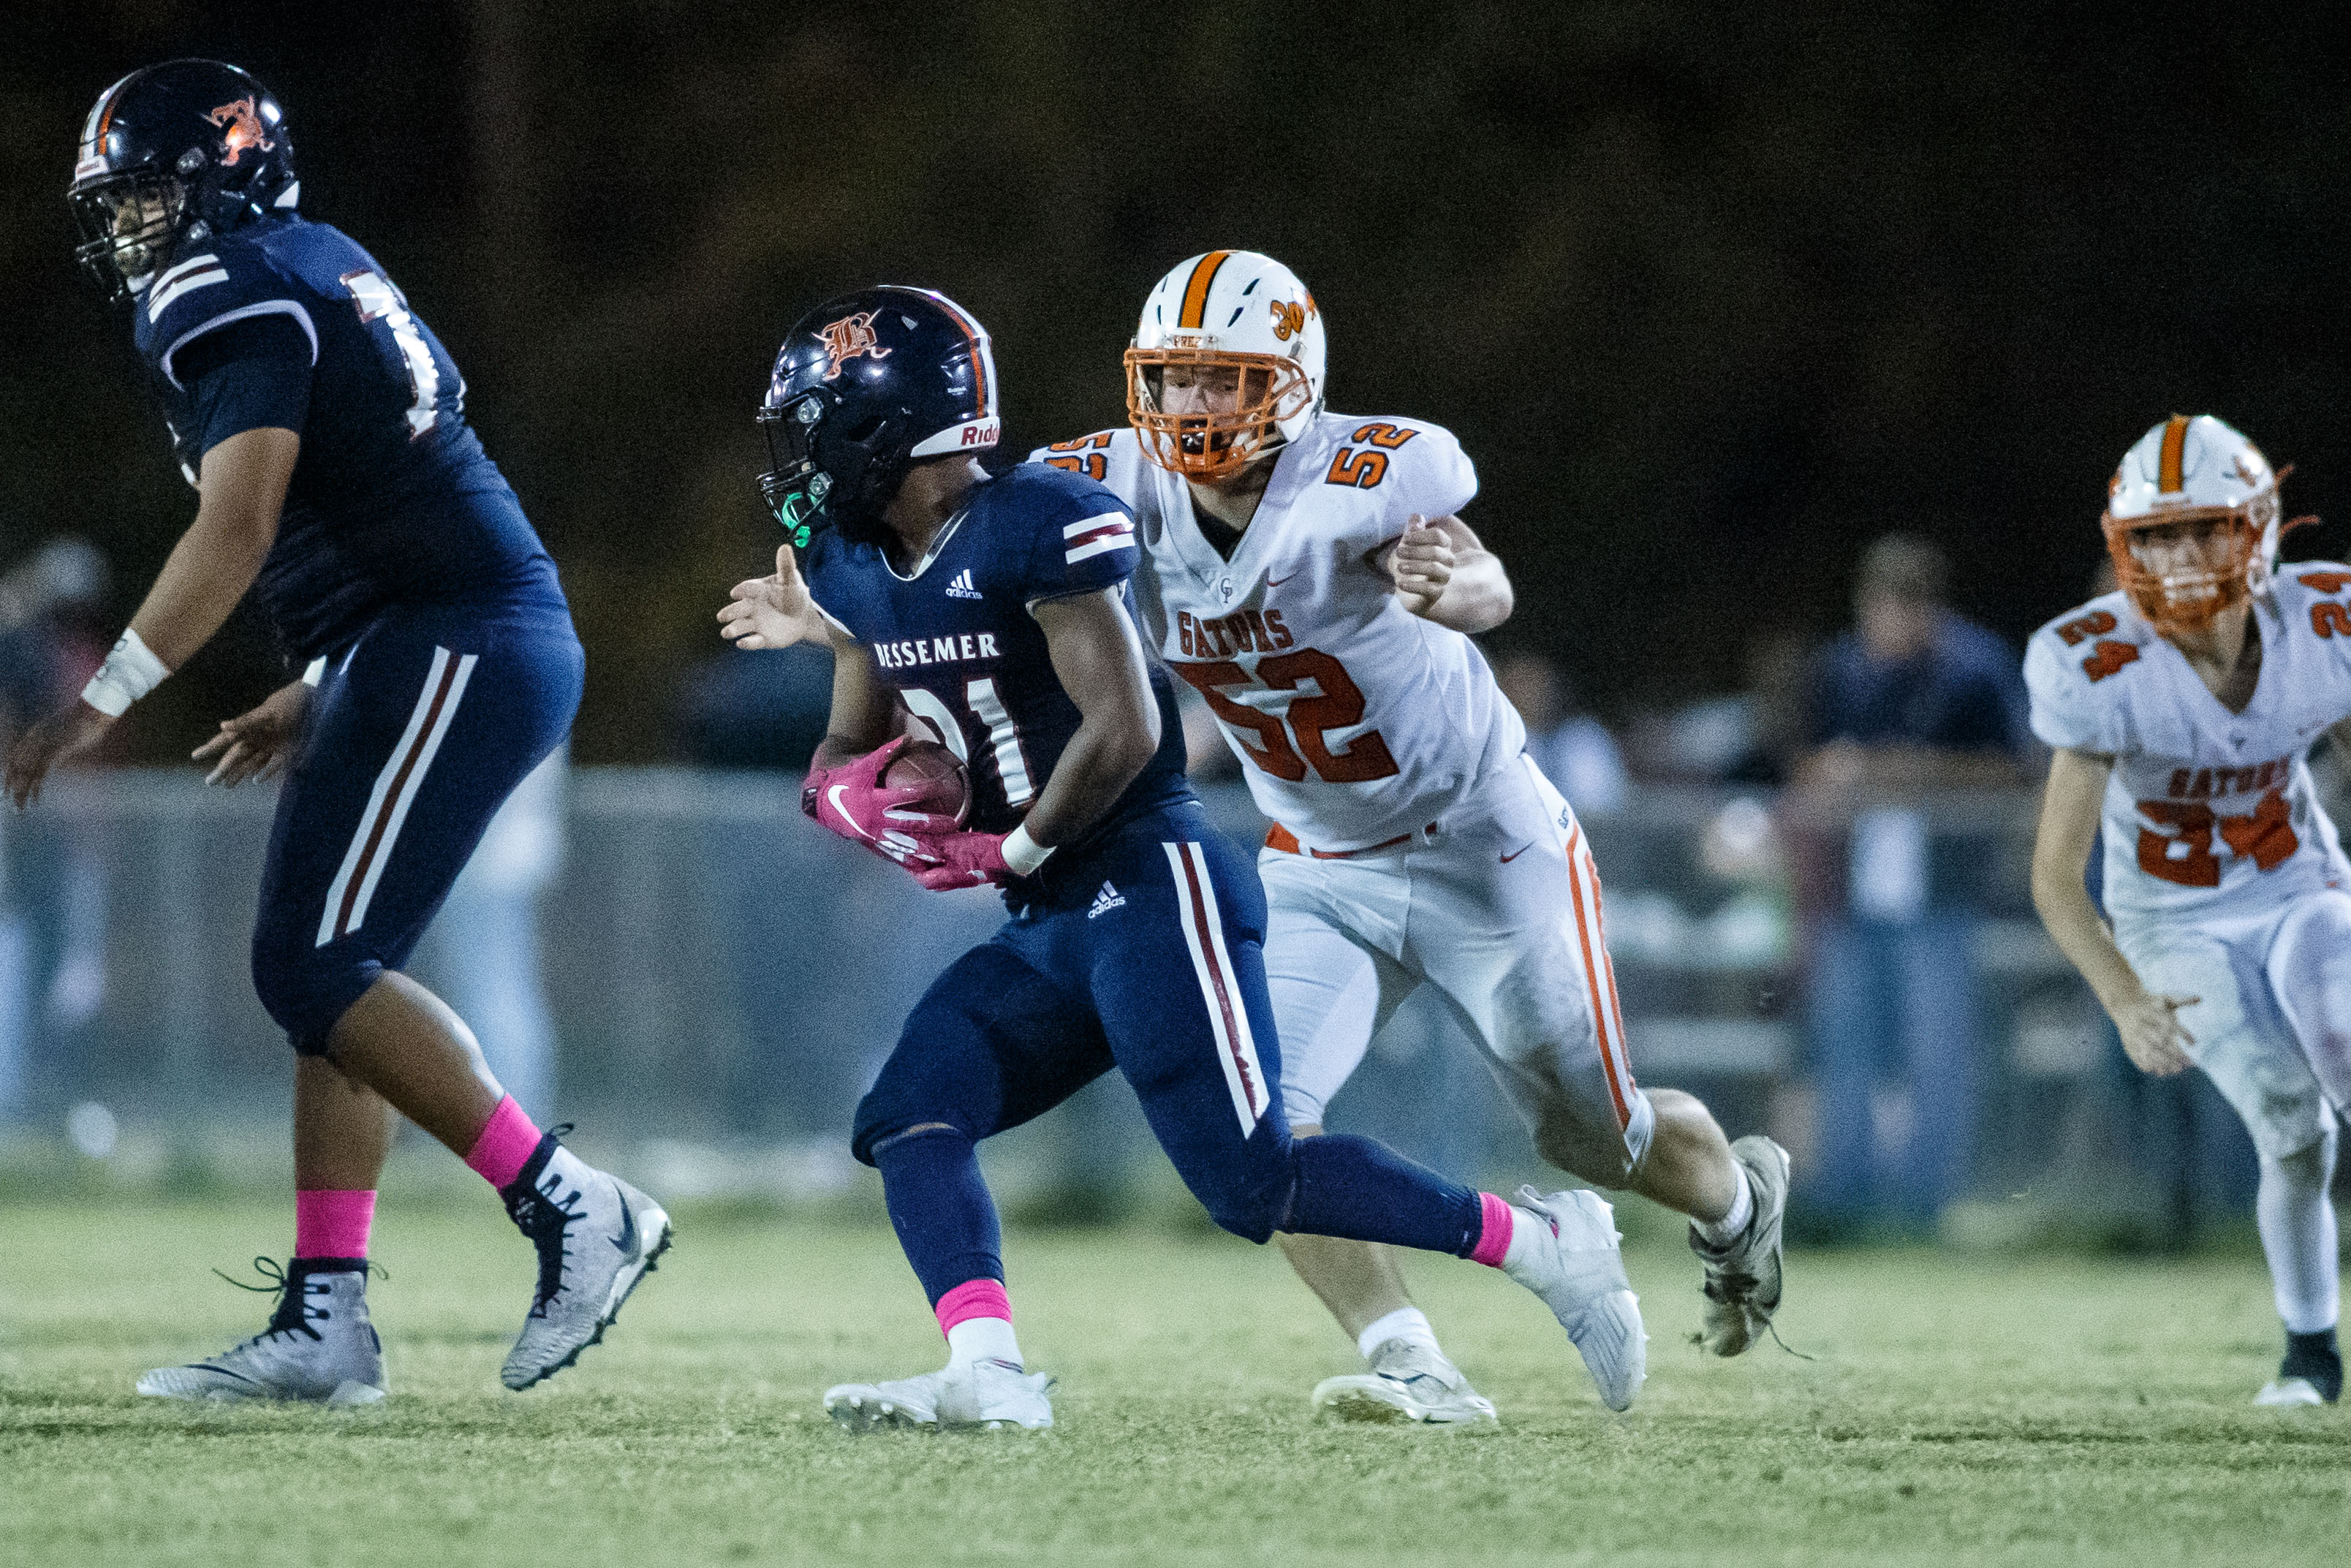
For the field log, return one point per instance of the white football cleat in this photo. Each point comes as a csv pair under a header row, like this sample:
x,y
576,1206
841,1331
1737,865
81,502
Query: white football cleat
x,y
1574,1265
1742,1280
986,1396
319,1348
1406,1383
596,1237
2279,1393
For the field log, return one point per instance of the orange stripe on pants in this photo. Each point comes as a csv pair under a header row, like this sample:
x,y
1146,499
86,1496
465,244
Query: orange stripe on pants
x,y
1603,1002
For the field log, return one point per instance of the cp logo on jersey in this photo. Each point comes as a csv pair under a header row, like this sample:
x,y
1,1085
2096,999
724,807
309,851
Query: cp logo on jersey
x,y
849,338
241,129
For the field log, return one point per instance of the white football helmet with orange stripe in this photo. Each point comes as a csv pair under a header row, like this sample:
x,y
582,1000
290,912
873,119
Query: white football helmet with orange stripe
x,y
2193,470
1234,311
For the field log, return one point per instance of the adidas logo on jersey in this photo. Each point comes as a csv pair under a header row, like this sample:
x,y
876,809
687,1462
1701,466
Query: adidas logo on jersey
x,y
961,587
1108,899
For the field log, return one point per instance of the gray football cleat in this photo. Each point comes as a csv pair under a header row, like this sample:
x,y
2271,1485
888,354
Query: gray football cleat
x,y
2279,1393
987,1396
596,1237
1574,1265
319,1348
1406,1383
1742,1280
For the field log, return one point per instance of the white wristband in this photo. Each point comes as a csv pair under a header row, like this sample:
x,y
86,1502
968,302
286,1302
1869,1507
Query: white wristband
x,y
1023,854
130,673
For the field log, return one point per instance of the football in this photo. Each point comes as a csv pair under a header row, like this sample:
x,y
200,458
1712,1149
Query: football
x,y
927,766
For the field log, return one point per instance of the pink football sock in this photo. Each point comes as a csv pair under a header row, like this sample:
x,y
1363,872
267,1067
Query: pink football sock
x,y
505,1146
329,1223
1494,1240
974,1299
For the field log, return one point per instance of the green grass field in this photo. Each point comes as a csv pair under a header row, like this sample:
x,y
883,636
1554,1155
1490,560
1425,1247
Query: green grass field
x,y
2039,1410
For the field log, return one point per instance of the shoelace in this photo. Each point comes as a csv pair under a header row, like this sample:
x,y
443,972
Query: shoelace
x,y
1736,1286
548,1223
294,1312
548,1220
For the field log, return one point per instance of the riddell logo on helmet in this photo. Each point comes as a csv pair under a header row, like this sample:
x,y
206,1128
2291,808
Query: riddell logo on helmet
x,y
981,434
241,129
849,338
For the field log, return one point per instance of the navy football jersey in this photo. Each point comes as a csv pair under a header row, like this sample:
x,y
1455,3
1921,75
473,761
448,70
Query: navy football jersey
x,y
392,499
957,641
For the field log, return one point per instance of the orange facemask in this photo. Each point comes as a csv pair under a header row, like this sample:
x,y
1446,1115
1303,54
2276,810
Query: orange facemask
x,y
1205,445
2186,600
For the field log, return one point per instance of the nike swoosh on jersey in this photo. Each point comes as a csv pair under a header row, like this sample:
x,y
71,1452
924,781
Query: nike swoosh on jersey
x,y
1278,581
1517,853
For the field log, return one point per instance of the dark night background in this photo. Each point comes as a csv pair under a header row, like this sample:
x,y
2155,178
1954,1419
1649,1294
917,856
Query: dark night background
x,y
1713,294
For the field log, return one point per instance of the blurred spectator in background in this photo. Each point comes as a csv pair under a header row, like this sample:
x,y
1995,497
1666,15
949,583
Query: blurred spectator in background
x,y
1573,750
1912,701
53,882
1752,736
482,951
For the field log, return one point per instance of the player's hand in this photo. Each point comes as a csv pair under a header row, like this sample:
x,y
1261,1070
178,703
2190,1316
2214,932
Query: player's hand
x,y
1421,565
72,728
257,743
2153,1037
962,859
852,802
772,611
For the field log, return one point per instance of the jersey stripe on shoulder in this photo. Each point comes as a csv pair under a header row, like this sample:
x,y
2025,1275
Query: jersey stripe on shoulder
x,y
171,275
1094,536
265,307
196,272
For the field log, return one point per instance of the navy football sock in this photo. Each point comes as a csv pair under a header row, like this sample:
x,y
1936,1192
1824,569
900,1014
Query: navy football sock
x,y
2315,1357
940,1207
1364,1191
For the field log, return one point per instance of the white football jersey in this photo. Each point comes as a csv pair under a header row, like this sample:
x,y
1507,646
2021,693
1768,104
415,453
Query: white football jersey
x,y
2205,808
1356,721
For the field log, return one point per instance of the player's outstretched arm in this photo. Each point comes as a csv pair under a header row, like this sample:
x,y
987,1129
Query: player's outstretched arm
x,y
1444,574
2152,1034
776,611
243,482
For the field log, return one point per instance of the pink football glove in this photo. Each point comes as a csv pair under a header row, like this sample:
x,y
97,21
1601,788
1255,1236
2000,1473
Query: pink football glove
x,y
851,801
961,860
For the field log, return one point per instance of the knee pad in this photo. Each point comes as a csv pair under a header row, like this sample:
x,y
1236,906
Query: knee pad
x,y
2311,1165
1606,1156
1251,1217
883,1117
1252,1209
306,988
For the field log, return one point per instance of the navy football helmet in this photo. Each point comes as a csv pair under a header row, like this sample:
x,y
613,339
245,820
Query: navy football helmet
x,y
171,153
864,385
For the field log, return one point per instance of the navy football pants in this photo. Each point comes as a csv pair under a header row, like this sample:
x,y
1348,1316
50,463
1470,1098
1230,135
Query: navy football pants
x,y
1144,954
418,732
